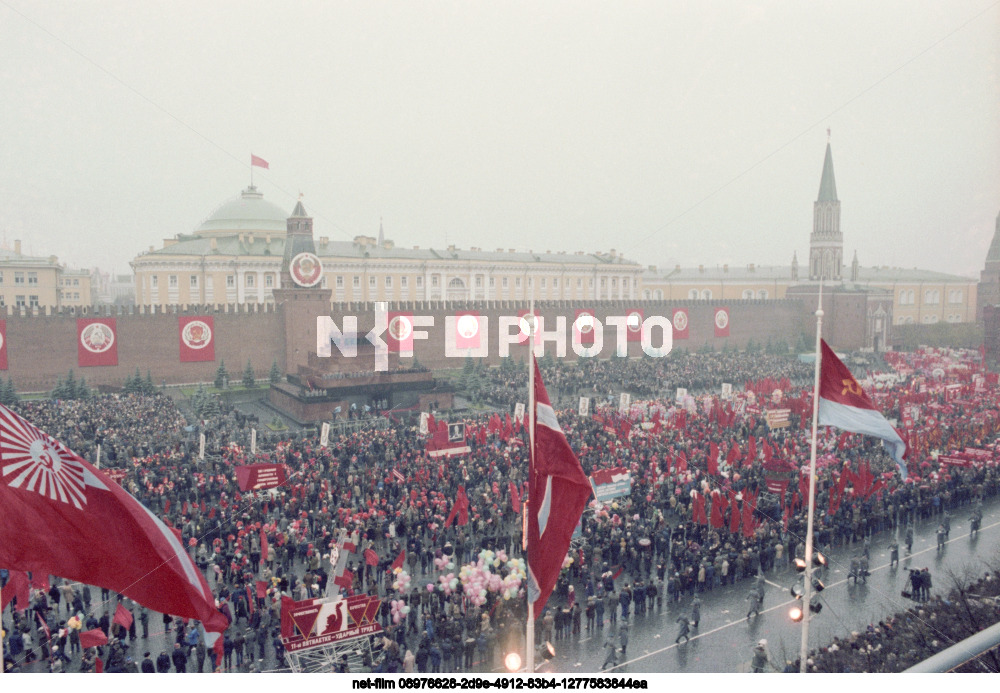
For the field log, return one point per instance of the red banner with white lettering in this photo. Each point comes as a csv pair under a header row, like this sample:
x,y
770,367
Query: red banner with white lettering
x,y
3,345
96,342
197,338
259,476
680,323
721,322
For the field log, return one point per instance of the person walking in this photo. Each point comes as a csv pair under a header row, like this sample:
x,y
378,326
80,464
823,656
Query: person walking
x,y
695,612
685,629
623,636
610,650
894,554
940,537
908,540
760,658
756,600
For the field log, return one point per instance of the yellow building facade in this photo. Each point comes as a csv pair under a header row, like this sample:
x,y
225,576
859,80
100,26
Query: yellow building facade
x,y
235,257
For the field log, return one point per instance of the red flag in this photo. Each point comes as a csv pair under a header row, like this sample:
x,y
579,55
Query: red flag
x,y
371,558
93,638
515,497
713,459
3,345
261,589
715,519
734,513
461,508
57,510
751,451
721,322
680,323
263,546
17,586
96,342
40,581
99,666
559,491
257,161
196,336
345,581
398,563
123,617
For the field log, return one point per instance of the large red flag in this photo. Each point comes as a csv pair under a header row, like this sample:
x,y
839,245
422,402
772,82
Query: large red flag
x,y
515,498
398,563
558,493
93,638
461,508
197,338
17,586
257,161
57,511
123,617
713,459
96,342
263,546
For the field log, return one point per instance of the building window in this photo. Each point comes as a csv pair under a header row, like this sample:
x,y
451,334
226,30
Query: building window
x,y
590,283
543,282
1,277
517,282
762,294
434,280
371,282
954,297
531,281
579,282
625,282
420,282
932,297
658,294
173,281
748,293
479,281
154,281
230,281
404,282
555,283
19,301
693,294
357,283
646,295
340,281
250,280
930,319
503,282
493,282
194,281
33,278
269,280
706,295
323,282
604,282
18,277
33,301
76,282
388,281
614,282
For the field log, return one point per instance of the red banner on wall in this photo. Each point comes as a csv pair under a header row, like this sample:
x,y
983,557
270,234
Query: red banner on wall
x,y
583,327
258,476
96,342
468,329
3,345
197,338
721,322
399,335
528,323
680,323
633,324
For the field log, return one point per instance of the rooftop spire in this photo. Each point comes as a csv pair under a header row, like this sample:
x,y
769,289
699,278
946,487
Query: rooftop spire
x,y
827,184
994,253
381,235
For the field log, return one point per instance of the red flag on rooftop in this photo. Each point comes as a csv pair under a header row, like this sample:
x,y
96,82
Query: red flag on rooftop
x,y
257,161
58,509
559,491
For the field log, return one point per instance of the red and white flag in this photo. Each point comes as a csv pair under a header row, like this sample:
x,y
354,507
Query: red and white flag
x,y
197,338
399,335
558,493
257,161
633,325
721,322
843,404
584,327
96,342
57,511
680,323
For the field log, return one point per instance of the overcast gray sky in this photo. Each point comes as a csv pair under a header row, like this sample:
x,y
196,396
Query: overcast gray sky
x,y
675,132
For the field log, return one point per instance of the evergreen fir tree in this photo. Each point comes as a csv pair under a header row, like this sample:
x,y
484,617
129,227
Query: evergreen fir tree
x,y
147,385
275,375
82,391
69,386
221,375
249,381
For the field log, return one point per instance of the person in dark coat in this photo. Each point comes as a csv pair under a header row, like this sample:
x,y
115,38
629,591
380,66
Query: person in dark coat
x,y
163,663
180,659
685,629
147,665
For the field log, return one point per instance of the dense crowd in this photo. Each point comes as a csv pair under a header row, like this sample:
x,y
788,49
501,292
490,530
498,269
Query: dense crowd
x,y
657,543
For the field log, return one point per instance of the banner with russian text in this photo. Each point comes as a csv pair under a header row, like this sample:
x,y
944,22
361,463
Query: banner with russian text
x,y
96,342
197,338
260,476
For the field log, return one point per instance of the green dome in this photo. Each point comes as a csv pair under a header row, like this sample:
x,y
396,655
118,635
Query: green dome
x,y
248,212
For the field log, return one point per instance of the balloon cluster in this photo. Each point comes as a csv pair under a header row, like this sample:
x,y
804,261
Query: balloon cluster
x,y
399,609
402,582
492,572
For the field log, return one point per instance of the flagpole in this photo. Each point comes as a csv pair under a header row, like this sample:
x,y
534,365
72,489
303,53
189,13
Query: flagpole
x,y
529,654
807,582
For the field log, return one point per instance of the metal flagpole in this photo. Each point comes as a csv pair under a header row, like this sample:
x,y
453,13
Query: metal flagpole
x,y
529,654
807,586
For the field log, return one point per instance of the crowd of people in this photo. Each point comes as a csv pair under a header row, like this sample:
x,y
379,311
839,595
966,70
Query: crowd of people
x,y
657,544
